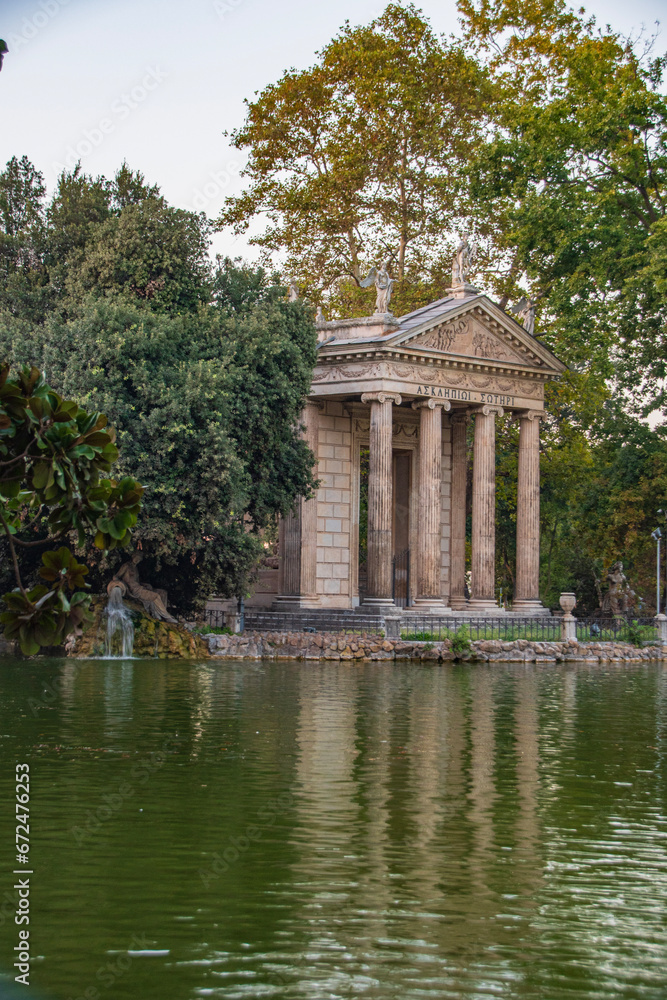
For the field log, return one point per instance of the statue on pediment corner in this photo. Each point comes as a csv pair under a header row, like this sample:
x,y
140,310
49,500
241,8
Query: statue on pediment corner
x,y
524,310
384,284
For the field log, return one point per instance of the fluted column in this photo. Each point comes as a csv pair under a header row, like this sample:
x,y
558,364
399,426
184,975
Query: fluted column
x,y
429,597
527,591
297,581
380,499
457,545
484,511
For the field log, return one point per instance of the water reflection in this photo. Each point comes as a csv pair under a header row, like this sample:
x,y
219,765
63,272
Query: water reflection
x,y
330,831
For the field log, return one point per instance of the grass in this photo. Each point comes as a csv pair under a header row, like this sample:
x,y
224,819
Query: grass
x,y
212,630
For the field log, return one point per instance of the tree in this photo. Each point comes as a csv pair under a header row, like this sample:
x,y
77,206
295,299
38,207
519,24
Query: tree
x,y
355,160
53,454
569,185
207,408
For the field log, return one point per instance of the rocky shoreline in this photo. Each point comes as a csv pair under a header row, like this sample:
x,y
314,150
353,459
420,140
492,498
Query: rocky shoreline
x,y
352,646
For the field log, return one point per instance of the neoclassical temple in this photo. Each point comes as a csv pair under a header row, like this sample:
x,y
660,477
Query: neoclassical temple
x,y
400,393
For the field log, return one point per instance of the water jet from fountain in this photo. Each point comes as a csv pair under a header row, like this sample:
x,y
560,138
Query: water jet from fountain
x,y
120,630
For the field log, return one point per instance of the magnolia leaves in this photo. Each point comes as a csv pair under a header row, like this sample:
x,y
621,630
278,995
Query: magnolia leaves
x,y
44,616
53,457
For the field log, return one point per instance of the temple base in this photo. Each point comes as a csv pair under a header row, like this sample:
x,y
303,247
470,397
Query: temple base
x,y
378,605
484,606
296,602
429,606
529,607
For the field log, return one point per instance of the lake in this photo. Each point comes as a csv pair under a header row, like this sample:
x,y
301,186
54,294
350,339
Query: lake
x,y
307,830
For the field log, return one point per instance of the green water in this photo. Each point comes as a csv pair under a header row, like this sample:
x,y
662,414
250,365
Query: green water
x,y
305,831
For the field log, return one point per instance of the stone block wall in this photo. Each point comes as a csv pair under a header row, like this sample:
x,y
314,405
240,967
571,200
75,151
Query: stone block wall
x,y
334,506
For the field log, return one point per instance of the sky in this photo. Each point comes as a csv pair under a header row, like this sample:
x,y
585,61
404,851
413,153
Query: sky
x,y
158,82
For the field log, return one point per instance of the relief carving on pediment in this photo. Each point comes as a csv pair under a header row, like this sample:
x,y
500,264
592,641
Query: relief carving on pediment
x,y
468,337
444,337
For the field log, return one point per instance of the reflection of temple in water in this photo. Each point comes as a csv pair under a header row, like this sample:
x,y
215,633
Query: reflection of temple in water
x,y
404,792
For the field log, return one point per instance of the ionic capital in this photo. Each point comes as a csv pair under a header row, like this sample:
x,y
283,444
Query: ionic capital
x,y
381,397
529,415
488,410
460,417
431,404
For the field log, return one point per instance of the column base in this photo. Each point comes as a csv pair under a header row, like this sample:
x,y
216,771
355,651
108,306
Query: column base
x,y
484,606
458,603
529,606
295,602
378,605
429,606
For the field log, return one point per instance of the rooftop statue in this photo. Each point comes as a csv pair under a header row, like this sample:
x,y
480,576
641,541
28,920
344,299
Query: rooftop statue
x,y
384,285
293,293
524,310
153,600
461,263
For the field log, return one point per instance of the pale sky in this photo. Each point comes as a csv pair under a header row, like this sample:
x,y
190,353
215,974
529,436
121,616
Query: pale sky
x,y
157,82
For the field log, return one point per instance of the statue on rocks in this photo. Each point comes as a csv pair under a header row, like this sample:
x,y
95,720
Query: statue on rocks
x,y
384,285
619,598
293,293
153,600
461,263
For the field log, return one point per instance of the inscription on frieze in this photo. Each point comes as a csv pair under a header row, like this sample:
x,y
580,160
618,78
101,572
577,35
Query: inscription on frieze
x,y
433,376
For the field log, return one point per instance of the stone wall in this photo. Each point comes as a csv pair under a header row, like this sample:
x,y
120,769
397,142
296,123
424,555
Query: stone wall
x,y
352,646
334,500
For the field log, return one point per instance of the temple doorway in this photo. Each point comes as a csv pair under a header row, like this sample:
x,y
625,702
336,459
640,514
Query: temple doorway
x,y
402,466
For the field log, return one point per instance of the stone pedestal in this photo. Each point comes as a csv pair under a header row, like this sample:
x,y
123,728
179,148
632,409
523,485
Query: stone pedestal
x,y
527,589
298,538
380,506
482,600
429,599
457,598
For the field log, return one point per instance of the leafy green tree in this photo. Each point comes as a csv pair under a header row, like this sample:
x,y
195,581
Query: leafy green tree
x,y
53,454
355,160
23,276
568,186
207,407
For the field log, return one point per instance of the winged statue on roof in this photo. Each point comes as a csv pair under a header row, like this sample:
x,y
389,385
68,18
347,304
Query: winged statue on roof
x,y
383,283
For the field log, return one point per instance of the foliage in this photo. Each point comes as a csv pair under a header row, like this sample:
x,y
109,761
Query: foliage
x,y
53,457
206,406
461,640
353,160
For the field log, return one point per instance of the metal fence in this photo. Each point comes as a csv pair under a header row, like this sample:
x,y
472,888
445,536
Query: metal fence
x,y
302,621
630,629
506,628
215,618
431,628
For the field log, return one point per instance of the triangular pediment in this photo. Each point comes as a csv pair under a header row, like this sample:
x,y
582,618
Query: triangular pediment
x,y
468,337
473,328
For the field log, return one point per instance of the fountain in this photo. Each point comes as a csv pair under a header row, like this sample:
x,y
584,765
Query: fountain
x,y
133,622
120,630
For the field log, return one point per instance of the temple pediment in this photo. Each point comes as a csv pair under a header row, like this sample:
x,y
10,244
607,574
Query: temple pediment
x,y
463,347
469,337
